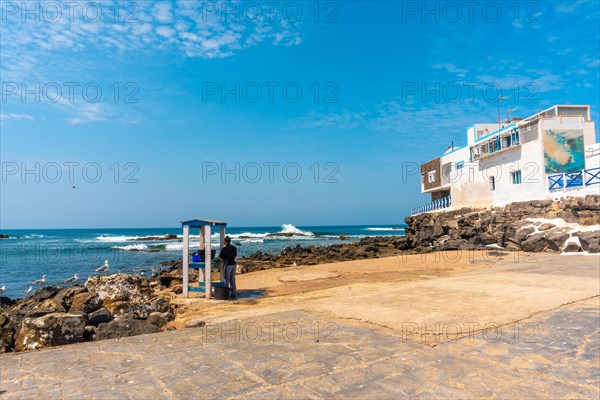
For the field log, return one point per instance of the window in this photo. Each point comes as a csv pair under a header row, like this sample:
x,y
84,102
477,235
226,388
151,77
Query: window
x,y
446,170
492,183
515,137
459,165
516,177
431,176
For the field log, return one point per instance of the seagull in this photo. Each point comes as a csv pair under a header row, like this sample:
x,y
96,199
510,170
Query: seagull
x,y
3,288
103,268
40,281
294,264
28,290
73,279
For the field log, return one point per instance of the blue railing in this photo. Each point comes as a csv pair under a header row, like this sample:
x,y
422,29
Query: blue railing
x,y
439,204
569,180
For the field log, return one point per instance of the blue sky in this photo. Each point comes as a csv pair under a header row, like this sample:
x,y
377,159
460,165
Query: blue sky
x,y
384,86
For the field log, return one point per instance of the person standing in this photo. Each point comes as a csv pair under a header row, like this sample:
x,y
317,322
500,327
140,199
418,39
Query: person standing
x,y
229,256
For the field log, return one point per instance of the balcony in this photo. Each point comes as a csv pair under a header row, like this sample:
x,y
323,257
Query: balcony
x,y
505,140
436,205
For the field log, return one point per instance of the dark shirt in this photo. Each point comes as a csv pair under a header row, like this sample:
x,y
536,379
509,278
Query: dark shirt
x,y
228,254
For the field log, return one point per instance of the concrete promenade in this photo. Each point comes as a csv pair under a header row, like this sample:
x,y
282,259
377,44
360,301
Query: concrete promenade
x,y
313,352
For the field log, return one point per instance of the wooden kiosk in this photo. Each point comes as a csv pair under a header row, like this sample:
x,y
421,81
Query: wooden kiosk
x,y
204,264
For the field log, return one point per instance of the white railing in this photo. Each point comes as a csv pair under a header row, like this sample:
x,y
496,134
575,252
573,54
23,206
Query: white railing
x,y
439,204
573,180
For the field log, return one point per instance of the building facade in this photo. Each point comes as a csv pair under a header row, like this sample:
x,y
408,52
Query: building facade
x,y
548,155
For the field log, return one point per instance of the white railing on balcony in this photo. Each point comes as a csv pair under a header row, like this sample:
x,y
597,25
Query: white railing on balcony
x,y
574,180
436,205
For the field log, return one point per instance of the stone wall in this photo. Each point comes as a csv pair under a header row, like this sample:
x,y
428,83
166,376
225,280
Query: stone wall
x,y
572,226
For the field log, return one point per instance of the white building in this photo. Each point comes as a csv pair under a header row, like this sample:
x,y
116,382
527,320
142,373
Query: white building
x,y
548,155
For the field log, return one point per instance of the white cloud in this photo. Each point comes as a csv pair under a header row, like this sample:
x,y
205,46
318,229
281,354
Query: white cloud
x,y
149,25
88,112
165,31
76,50
162,12
567,7
15,117
451,68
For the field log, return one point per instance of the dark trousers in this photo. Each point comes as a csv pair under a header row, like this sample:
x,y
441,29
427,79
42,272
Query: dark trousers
x,y
230,279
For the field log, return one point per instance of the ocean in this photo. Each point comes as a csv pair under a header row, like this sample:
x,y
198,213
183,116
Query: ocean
x,y
60,253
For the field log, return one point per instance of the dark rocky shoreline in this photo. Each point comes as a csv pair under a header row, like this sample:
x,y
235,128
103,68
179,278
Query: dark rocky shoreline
x,y
465,229
124,305
508,227
106,307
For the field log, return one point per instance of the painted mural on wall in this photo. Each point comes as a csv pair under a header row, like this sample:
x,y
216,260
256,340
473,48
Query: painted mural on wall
x,y
563,151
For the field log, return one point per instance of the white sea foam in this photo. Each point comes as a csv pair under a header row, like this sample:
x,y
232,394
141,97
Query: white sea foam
x,y
179,246
132,247
293,237
33,236
116,239
248,241
247,235
289,228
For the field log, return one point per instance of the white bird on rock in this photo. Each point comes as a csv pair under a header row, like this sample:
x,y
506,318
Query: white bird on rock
x,y
2,288
40,281
73,279
28,290
103,268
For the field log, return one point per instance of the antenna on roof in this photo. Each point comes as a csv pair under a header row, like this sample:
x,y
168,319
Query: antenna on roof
x,y
498,101
510,111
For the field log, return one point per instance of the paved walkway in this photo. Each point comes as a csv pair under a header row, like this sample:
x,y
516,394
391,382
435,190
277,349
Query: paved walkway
x,y
554,353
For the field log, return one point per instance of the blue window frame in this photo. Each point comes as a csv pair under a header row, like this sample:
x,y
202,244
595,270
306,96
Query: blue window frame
x,y
515,137
516,177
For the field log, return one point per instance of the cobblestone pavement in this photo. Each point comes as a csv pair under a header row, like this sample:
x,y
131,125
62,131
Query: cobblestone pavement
x,y
555,354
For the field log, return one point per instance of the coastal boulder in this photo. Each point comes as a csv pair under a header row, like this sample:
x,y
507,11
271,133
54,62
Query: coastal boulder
x,y
7,333
100,316
590,241
572,247
125,296
86,302
89,333
523,233
162,305
159,319
546,226
556,240
124,328
534,243
485,239
50,330
51,304
66,295
6,302
30,302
